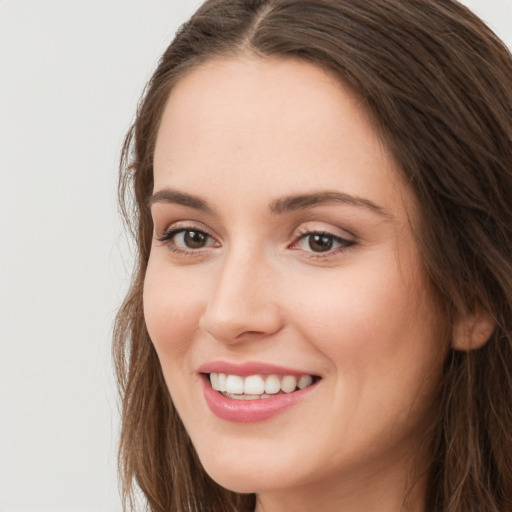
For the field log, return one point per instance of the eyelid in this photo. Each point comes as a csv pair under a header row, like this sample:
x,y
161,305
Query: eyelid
x,y
322,228
170,232
183,225
345,242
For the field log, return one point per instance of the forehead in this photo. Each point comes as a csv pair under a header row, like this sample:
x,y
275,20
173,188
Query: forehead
x,y
277,124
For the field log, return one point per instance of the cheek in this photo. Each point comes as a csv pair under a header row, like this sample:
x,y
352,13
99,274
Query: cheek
x,y
370,322
382,349
172,309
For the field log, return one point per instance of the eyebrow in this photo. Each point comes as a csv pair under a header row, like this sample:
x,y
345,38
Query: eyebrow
x,y
278,206
171,196
305,201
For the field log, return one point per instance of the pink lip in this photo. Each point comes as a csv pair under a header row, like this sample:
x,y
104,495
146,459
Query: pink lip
x,y
248,368
248,411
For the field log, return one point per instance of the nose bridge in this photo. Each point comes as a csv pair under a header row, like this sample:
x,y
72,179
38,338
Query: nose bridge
x,y
243,299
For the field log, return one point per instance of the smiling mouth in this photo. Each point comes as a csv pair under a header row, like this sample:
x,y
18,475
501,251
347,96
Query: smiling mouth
x,y
255,387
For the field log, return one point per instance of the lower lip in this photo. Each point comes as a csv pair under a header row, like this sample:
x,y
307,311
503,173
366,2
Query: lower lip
x,y
249,411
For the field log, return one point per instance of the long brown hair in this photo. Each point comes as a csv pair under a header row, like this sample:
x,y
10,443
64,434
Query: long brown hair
x,y
437,84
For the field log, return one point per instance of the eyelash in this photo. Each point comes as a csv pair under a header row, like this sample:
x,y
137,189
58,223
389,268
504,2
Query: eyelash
x,y
304,233
168,238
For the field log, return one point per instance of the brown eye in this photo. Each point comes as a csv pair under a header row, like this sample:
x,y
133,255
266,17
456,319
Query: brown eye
x,y
320,242
194,239
187,240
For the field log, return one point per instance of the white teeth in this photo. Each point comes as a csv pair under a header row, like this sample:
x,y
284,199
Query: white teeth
x,y
305,381
214,381
257,386
234,384
272,385
288,383
218,381
222,382
254,385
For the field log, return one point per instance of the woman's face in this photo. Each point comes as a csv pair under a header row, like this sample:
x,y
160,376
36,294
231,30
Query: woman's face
x,y
283,258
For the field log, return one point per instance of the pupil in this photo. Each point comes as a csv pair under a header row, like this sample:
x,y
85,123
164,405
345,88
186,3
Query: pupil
x,y
195,239
320,243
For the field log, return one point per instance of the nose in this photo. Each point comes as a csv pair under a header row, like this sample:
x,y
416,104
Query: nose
x,y
243,303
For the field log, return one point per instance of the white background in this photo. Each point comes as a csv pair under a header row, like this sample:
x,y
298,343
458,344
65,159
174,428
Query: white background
x,y
71,73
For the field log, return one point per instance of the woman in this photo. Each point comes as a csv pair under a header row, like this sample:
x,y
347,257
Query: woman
x,y
320,317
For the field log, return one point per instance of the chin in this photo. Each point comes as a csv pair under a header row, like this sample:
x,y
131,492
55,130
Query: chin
x,y
244,476
236,483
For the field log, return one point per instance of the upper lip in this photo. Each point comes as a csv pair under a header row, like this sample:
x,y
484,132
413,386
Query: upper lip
x,y
249,368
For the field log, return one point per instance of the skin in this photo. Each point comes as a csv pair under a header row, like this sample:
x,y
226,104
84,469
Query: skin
x,y
360,315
